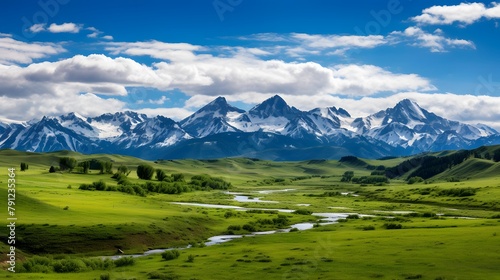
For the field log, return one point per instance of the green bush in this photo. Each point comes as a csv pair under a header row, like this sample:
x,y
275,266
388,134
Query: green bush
x,y
127,261
458,192
368,228
392,226
415,179
170,255
249,227
303,212
160,175
38,264
145,171
234,227
69,265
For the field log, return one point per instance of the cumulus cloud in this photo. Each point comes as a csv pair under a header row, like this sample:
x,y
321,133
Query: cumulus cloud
x,y
338,41
94,73
436,41
155,49
39,27
464,13
159,101
176,114
205,75
38,105
67,27
13,51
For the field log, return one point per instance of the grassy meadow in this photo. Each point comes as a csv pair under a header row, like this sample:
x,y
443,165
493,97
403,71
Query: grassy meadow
x,y
446,227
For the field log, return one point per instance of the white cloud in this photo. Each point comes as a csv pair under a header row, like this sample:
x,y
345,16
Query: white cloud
x,y
204,75
436,41
107,37
36,106
95,32
159,101
39,27
68,27
337,41
13,51
176,114
93,73
155,49
464,13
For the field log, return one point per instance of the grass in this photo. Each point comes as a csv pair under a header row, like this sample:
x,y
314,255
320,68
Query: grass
x,y
58,221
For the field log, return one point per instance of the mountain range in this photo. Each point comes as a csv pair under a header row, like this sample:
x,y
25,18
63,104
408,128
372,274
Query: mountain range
x,y
270,130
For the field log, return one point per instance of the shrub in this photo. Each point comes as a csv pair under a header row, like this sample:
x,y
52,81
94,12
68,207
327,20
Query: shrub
x,y
69,265
145,171
294,229
392,226
428,215
228,214
303,212
190,258
281,221
24,166
170,255
38,264
160,175
368,228
234,227
52,169
67,163
122,169
458,192
353,216
249,227
105,277
127,261
415,179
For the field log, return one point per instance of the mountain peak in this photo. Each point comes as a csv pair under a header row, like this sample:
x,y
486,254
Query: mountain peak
x,y
275,107
406,111
220,106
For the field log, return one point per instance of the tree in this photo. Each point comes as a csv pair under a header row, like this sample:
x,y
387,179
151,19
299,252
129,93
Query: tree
x,y
160,175
122,169
85,165
67,163
347,177
145,171
496,156
24,166
52,169
106,167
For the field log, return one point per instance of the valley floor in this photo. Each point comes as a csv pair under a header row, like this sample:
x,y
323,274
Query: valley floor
x,y
388,231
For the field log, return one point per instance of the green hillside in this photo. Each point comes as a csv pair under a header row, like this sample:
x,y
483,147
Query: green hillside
x,y
62,227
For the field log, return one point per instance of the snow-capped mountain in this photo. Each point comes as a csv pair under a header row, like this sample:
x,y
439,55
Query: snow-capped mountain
x,y
272,129
216,117
154,132
408,125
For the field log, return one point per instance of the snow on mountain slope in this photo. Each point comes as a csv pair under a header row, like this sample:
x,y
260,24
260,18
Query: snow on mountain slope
x,y
110,126
407,124
215,117
273,124
155,132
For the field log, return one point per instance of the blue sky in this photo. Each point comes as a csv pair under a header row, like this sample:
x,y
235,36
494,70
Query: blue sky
x,y
171,57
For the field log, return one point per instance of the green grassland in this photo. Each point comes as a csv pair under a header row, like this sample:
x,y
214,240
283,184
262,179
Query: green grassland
x,y
444,228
